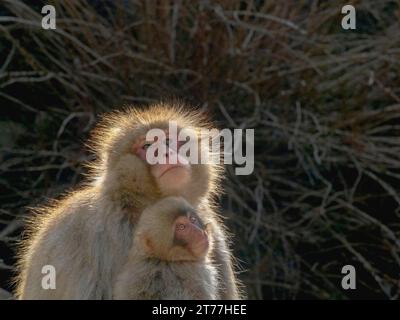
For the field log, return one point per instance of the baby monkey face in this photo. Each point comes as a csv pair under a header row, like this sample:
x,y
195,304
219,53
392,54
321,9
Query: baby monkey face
x,y
191,233
172,230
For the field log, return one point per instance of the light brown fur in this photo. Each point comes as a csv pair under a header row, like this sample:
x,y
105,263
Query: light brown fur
x,y
87,235
158,268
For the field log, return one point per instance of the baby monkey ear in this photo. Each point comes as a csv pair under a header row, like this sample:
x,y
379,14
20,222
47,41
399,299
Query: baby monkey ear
x,y
147,243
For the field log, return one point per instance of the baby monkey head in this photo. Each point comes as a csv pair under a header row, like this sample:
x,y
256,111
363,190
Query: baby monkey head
x,y
171,230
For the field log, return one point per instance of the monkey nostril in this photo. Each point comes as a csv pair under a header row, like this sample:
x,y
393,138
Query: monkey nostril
x,y
180,226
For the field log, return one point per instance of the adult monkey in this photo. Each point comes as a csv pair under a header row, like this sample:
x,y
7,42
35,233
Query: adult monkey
x,y
87,235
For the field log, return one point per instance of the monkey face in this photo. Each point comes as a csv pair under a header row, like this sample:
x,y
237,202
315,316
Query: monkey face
x,y
191,234
171,176
171,230
176,176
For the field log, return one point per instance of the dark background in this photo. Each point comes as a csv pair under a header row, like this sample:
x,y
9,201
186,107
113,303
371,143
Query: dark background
x,y
324,103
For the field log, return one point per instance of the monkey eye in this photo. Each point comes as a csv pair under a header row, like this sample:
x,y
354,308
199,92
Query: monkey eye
x,y
146,146
193,219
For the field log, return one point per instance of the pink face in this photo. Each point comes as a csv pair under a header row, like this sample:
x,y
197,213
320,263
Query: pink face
x,y
188,230
171,176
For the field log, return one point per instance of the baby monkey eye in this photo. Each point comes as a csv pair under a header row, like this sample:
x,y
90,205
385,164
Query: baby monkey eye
x,y
193,219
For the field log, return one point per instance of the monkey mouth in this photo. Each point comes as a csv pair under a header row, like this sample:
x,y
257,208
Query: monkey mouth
x,y
169,169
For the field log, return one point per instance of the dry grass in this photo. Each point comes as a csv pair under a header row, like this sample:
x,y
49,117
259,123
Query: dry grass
x,y
324,102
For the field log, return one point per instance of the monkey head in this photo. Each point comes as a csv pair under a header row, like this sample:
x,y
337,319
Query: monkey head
x,y
171,230
123,169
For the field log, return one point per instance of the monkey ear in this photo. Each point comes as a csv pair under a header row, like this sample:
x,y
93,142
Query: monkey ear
x,y
147,243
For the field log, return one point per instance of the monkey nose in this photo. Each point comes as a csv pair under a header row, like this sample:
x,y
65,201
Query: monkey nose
x,y
182,223
180,226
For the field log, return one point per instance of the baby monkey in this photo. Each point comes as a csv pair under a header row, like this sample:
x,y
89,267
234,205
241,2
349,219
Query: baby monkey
x,y
169,256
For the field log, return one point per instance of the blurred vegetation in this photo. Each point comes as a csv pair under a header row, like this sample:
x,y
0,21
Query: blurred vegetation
x,y
324,103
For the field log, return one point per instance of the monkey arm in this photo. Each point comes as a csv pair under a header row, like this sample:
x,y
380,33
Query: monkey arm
x,y
61,244
84,244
